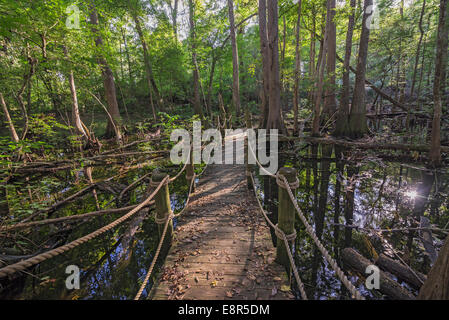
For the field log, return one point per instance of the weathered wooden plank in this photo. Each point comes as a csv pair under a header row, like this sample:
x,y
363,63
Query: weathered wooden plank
x,y
222,246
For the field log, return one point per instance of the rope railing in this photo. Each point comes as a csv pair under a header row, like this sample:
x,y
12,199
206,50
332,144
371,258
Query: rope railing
x,y
22,265
69,218
283,183
282,235
161,241
348,284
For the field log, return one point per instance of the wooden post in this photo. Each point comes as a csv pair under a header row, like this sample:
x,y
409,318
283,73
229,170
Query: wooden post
x,y
163,208
286,217
190,170
248,166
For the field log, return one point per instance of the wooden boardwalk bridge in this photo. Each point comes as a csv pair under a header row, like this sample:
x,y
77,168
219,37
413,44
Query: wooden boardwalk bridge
x,y
222,247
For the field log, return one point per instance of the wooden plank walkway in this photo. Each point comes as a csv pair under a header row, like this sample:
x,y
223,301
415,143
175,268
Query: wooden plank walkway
x,y
222,247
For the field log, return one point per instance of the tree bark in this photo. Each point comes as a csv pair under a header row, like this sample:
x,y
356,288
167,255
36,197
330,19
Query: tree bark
x,y
343,112
438,84
418,49
152,87
330,102
12,129
297,70
265,62
235,60
357,119
196,77
355,261
76,119
274,120
401,271
436,286
108,82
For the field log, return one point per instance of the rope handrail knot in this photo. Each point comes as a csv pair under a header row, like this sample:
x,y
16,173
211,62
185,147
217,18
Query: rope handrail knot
x,y
280,182
290,237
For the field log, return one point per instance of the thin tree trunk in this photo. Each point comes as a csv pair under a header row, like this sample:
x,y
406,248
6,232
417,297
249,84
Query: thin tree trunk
x,y
12,129
342,118
235,60
439,81
330,103
196,84
148,68
108,82
211,81
128,60
265,63
320,81
274,120
418,49
76,120
297,70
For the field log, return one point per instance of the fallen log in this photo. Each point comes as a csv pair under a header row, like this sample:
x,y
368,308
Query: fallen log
x,y
356,262
402,272
366,145
378,90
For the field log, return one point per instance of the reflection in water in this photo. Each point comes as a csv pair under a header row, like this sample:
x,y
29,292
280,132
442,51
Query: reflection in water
x,y
345,195
112,265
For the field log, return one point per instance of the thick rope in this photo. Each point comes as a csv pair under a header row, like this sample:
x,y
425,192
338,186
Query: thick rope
x,y
165,220
22,265
156,255
69,218
284,238
258,163
355,293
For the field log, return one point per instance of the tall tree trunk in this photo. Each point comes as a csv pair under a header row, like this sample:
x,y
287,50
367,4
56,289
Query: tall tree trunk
x,y
76,119
418,49
330,103
312,54
174,16
357,118
282,65
128,60
342,124
12,129
265,63
439,81
211,81
196,77
235,60
274,120
148,68
297,70
320,80
108,82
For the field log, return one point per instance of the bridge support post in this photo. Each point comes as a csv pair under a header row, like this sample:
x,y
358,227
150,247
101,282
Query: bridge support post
x,y
248,166
163,208
190,171
286,215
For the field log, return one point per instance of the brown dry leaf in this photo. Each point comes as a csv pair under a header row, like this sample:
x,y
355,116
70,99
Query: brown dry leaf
x,y
285,288
229,294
